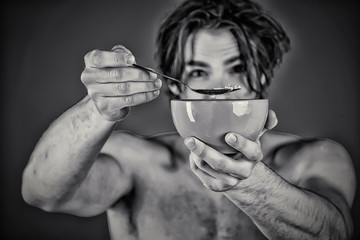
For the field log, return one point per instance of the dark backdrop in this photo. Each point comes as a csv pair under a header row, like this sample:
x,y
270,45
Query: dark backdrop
x,y
315,92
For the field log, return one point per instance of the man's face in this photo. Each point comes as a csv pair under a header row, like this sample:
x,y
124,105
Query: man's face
x,y
212,60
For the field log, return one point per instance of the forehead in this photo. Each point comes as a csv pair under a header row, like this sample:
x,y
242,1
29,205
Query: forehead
x,y
211,45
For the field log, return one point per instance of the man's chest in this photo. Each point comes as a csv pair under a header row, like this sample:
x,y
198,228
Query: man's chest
x,y
180,207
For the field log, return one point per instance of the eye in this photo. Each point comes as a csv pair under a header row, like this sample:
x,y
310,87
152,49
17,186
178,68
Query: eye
x,y
240,68
197,73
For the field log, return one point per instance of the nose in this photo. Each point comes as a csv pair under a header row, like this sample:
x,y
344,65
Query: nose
x,y
239,94
221,96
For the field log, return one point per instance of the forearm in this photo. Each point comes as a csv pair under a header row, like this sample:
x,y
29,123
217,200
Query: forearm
x,y
65,153
283,211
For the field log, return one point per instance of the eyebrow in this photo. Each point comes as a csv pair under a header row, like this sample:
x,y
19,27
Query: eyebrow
x,y
197,63
203,64
234,59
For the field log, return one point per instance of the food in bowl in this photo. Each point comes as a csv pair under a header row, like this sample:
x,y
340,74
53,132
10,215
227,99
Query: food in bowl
x,y
210,120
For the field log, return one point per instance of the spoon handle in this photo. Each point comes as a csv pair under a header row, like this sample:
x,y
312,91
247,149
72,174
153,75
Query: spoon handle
x,y
160,74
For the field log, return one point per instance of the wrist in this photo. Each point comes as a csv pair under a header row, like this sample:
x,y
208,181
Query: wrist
x,y
98,117
261,181
106,112
258,176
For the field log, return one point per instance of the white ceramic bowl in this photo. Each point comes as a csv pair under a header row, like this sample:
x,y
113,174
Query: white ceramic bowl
x,y
211,120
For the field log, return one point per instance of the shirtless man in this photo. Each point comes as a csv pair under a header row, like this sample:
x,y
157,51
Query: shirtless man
x,y
278,187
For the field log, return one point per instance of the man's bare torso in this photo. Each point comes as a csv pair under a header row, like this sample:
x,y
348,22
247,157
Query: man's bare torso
x,y
169,202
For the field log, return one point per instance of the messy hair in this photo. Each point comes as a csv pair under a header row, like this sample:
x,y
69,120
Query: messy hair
x,y
261,40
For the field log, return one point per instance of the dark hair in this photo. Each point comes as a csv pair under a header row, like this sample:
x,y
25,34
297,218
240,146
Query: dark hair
x,y
261,40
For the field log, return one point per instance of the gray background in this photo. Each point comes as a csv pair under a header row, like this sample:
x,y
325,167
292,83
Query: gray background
x,y
315,93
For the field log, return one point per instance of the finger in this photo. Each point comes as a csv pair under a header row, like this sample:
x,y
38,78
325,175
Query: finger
x,y
240,168
123,88
250,149
115,103
195,168
102,59
204,153
120,74
271,122
200,164
207,180
200,149
205,167
215,181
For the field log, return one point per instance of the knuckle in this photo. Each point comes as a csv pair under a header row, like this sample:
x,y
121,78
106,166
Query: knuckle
x,y
128,100
219,166
85,76
143,75
117,59
251,156
150,85
87,57
256,154
215,186
148,96
114,74
94,57
202,153
92,94
240,143
120,58
123,88
102,105
231,182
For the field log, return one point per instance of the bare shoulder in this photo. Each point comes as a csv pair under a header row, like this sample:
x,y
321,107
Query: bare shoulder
x,y
315,164
328,163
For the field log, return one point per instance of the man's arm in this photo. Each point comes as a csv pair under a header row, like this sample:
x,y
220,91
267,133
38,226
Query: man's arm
x,y
67,171
314,205
62,174
318,207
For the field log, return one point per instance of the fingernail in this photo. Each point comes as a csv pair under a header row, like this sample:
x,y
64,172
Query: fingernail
x,y
153,75
130,59
118,48
231,138
158,83
156,93
190,143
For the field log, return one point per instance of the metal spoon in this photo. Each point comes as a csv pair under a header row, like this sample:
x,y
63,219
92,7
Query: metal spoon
x,y
214,91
